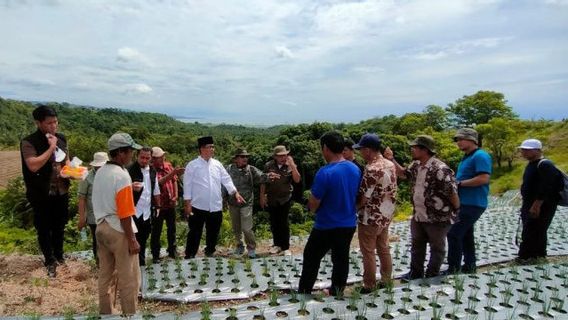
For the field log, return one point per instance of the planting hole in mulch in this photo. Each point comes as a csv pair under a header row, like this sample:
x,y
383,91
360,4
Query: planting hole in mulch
x,y
281,314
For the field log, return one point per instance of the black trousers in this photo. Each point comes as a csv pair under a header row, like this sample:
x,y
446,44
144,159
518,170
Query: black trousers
x,y
279,224
319,243
212,222
534,236
50,218
144,230
169,215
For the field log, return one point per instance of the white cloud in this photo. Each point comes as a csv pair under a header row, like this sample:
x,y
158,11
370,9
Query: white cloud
x,y
283,52
138,88
127,54
238,58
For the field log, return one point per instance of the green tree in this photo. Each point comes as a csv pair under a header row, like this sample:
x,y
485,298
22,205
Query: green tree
x,y
410,123
500,138
436,117
479,108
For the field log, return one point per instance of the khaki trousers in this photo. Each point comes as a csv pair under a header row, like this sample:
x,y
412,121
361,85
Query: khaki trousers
x,y
371,238
241,219
117,267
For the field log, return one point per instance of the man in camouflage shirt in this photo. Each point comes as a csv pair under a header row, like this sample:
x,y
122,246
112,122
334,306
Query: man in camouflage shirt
x,y
435,201
245,177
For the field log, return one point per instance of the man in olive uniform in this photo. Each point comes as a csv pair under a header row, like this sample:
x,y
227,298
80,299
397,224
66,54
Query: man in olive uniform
x,y
244,177
276,195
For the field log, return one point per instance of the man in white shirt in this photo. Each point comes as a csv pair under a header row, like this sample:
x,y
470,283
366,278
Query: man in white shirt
x,y
203,199
146,192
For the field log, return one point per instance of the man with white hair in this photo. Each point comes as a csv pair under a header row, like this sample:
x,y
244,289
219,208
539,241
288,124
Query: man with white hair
x,y
541,183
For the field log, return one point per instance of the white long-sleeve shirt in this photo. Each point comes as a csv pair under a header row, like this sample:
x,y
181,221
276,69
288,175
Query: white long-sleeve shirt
x,y
144,205
202,182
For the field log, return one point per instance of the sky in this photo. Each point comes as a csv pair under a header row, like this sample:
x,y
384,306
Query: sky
x,y
266,62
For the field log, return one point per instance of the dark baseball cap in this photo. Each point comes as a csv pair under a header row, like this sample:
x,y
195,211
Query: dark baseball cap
x,y
369,140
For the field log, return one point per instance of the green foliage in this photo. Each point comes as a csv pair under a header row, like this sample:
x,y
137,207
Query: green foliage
x,y
479,108
14,239
87,130
499,137
15,209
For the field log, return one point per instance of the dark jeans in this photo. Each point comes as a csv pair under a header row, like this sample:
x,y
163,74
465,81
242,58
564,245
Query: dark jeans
x,y
144,230
461,239
319,243
534,236
93,228
50,218
212,222
168,214
279,225
427,233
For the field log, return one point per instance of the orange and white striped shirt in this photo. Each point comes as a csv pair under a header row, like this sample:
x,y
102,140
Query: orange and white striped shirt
x,y
112,196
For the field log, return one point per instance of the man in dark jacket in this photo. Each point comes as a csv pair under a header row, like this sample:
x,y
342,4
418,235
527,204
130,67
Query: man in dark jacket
x,y
146,192
541,183
44,153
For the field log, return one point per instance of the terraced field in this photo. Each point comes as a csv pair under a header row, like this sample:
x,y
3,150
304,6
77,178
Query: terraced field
x,y
10,166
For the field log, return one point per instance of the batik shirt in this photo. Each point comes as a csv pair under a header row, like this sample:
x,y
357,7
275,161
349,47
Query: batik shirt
x,y
378,186
433,185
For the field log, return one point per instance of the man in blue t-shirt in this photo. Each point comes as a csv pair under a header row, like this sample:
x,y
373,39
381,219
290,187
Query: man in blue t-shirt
x,y
333,200
472,178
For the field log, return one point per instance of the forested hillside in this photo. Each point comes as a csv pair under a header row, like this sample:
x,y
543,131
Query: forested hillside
x,y
87,130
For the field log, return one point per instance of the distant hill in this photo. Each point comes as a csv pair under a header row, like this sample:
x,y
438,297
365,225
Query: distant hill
x,y
87,128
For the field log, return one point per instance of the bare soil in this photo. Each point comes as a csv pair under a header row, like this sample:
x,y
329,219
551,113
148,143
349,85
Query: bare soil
x,y
10,166
25,288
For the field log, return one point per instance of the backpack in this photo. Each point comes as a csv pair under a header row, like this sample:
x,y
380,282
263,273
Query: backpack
x,y
564,189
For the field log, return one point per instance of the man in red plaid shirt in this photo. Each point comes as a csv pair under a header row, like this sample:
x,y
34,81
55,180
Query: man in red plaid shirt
x,y
167,179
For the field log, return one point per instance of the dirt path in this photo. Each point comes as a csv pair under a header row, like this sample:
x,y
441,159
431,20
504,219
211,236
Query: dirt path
x,y
10,166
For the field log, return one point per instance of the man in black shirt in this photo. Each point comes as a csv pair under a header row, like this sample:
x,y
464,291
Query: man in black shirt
x,y
541,183
44,153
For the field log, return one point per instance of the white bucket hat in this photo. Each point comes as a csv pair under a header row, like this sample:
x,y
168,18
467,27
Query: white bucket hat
x,y
99,158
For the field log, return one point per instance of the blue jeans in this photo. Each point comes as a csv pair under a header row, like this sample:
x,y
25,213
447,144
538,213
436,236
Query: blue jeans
x,y
461,240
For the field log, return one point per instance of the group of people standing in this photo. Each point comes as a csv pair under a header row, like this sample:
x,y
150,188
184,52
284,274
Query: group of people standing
x,y
125,203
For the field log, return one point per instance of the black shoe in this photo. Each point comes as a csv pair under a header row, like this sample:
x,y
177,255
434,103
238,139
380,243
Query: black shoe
x,y
410,276
468,270
156,260
172,254
52,270
187,257
365,290
209,254
61,261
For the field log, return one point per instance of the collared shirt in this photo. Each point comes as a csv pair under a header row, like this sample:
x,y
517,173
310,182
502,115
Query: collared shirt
x,y
86,190
418,194
144,204
278,191
57,185
473,164
379,188
244,180
202,182
433,185
112,196
167,196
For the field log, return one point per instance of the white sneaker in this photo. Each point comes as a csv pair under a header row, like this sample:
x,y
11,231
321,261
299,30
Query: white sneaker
x,y
275,250
287,253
